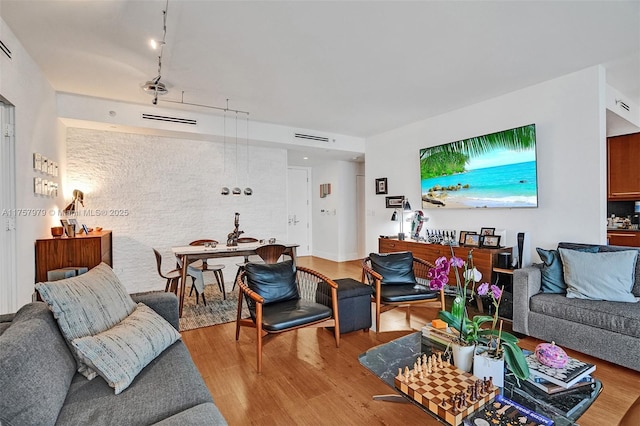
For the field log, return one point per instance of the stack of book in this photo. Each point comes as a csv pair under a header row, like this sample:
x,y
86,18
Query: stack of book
x,y
551,380
439,336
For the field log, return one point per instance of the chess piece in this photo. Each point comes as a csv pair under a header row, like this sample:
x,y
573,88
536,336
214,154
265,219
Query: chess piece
x,y
439,359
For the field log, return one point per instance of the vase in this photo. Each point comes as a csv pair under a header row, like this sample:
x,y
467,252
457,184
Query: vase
x,y
463,356
485,365
457,307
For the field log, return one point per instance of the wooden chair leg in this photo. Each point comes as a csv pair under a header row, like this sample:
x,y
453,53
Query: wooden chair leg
x,y
238,318
408,314
166,287
203,299
259,335
240,268
377,314
220,280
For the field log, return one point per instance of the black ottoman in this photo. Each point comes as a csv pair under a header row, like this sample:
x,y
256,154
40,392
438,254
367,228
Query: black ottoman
x,y
354,303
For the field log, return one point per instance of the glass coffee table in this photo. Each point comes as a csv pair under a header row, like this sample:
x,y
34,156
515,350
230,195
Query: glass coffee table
x,y
563,408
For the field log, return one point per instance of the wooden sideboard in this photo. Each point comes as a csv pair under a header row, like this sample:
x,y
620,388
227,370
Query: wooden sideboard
x,y
484,259
82,250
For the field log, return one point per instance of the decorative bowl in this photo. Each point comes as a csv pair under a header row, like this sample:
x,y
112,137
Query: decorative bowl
x,y
57,231
551,355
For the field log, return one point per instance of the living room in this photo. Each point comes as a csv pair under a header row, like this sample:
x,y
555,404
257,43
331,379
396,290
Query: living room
x,y
169,178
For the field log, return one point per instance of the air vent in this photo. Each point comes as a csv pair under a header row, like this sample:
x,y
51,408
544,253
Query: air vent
x,y
622,104
169,119
5,49
311,137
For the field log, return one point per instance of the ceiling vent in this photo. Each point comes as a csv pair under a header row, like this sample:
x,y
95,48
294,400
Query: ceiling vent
x,y
169,119
311,137
622,104
5,49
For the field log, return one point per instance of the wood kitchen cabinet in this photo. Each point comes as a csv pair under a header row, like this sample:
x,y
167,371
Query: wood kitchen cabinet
x,y
624,238
82,250
623,158
484,259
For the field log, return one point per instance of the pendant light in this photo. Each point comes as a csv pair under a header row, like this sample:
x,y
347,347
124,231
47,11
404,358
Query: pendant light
x,y
225,190
236,189
247,190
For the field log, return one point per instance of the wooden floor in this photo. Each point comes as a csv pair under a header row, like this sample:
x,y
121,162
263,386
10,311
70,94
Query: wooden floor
x,y
307,380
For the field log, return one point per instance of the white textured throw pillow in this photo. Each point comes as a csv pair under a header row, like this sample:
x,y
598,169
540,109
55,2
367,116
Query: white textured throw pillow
x,y
87,305
599,276
121,352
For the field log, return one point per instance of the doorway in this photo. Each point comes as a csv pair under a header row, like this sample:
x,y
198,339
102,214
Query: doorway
x,y
8,278
299,208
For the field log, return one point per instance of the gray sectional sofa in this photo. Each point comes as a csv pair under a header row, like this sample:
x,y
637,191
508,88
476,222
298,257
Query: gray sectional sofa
x,y
40,386
604,329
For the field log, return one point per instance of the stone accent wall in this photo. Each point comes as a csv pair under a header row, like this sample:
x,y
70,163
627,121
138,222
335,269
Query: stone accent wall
x,y
159,192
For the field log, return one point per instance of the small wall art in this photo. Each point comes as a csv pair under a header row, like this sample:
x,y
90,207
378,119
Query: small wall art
x,y
325,189
394,201
381,186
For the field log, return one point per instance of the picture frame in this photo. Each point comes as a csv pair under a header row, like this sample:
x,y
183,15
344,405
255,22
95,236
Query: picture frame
x,y
491,241
463,236
487,231
394,201
381,186
74,222
472,240
86,229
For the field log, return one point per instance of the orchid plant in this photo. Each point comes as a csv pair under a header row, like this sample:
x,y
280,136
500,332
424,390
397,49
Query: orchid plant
x,y
471,332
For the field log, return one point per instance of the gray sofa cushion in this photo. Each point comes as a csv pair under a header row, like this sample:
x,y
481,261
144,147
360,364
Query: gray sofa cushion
x,y
605,249
618,317
36,368
203,414
169,385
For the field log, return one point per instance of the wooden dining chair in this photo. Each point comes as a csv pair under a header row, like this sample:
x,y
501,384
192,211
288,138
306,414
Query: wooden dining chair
x,y
204,265
247,259
173,276
270,253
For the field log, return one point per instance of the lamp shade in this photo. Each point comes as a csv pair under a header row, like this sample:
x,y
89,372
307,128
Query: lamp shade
x,y
394,216
405,205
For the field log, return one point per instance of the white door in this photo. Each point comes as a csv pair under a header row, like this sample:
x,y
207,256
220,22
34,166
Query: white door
x,y
8,280
299,209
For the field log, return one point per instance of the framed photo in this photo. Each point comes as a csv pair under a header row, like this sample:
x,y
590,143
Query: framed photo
x,y
472,240
381,186
86,230
463,236
394,202
487,231
75,224
491,241
37,161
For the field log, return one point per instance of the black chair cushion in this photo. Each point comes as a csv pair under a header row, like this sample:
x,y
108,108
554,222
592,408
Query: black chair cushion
x,y
291,313
274,282
406,293
395,268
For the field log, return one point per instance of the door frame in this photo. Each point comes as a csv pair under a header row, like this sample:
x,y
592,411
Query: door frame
x,y
309,205
8,243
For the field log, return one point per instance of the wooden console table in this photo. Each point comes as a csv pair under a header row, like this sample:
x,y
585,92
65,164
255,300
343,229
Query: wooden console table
x,y
82,250
484,259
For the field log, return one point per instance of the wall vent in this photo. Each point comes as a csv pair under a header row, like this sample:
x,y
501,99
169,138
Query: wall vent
x,y
311,137
5,49
622,104
169,119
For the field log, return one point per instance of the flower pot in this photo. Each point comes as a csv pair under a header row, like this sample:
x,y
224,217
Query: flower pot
x,y
463,356
484,365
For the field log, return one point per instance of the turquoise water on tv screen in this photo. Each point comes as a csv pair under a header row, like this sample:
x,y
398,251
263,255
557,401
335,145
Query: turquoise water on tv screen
x,y
511,185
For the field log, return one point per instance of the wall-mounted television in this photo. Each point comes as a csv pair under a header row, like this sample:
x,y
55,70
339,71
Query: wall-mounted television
x,y
497,170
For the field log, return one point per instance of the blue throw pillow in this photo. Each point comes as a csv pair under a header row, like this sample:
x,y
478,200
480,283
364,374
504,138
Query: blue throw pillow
x,y
274,282
600,276
552,272
395,268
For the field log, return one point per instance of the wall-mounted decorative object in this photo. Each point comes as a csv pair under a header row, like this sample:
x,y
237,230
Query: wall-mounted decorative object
x,y
37,185
394,201
325,189
44,165
55,169
487,231
37,161
491,241
381,186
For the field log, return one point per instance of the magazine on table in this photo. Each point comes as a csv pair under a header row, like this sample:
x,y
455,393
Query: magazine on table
x,y
503,412
551,388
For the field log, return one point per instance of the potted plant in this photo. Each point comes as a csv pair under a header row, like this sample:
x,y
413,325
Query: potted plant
x,y
498,344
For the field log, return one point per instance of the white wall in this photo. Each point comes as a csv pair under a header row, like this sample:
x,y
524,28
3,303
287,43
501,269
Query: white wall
x,y
569,113
36,130
170,188
334,217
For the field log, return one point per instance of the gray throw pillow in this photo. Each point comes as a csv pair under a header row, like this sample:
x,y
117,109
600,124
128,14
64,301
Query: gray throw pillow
x,y
599,276
87,305
552,273
120,353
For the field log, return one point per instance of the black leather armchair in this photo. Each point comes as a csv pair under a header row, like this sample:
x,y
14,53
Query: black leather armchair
x,y
399,279
282,297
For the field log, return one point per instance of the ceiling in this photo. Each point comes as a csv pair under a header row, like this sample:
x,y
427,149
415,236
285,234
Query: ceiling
x,y
347,67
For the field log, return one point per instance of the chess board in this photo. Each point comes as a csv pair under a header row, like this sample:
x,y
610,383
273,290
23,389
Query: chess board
x,y
435,390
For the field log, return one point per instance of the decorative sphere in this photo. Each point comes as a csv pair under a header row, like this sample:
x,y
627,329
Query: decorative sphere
x,y
551,355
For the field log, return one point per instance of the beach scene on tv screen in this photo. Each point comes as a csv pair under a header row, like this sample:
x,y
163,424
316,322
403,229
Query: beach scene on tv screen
x,y
497,170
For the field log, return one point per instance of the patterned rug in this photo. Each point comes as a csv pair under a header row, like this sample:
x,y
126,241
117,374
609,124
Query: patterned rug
x,y
217,311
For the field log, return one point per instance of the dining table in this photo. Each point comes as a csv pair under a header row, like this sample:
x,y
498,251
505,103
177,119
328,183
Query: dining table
x,y
189,254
